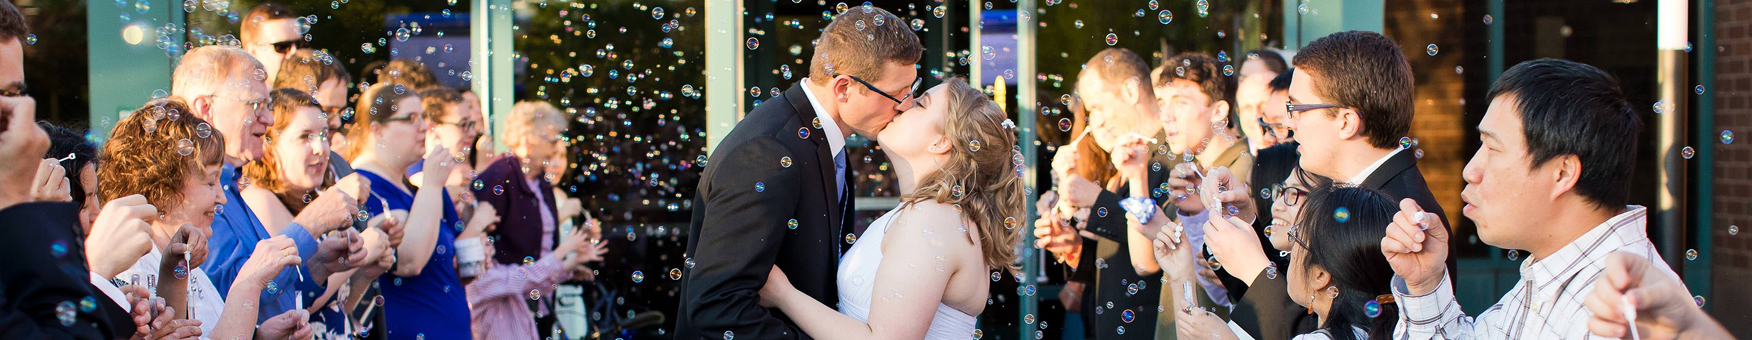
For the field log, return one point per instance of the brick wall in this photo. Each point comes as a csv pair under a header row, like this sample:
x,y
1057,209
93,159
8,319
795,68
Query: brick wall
x,y
1733,168
1440,122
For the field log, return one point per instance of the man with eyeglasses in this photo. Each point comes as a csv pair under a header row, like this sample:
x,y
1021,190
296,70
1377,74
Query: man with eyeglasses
x,y
1273,119
270,32
453,126
776,190
1350,103
223,85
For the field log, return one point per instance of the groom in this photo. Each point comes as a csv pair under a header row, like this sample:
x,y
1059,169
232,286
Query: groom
x,y
777,192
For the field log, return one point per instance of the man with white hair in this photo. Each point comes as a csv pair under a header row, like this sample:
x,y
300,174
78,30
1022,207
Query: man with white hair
x,y
225,86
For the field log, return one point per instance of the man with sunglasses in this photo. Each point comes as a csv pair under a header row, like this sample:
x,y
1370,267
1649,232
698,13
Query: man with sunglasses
x,y
271,33
776,190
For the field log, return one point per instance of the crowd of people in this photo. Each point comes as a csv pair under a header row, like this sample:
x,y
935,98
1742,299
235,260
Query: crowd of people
x,y
1285,202
252,201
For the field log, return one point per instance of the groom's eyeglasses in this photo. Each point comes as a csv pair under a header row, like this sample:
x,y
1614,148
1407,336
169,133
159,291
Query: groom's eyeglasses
x,y
911,93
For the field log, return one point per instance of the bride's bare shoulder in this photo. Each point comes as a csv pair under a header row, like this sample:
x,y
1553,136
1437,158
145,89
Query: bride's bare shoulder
x,y
931,222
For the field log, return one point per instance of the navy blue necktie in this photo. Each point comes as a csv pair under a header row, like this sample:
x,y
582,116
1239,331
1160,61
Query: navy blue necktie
x,y
839,175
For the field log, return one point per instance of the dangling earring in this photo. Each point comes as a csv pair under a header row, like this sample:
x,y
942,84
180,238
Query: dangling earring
x,y
1310,304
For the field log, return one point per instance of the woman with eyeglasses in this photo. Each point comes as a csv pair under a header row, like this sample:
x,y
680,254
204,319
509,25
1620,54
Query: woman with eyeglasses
x,y
1335,274
1240,250
423,298
1336,270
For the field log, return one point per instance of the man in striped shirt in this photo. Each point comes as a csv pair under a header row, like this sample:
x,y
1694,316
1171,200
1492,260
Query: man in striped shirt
x,y
1558,143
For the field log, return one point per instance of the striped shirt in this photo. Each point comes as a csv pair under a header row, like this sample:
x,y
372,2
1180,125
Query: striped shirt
x,y
1547,302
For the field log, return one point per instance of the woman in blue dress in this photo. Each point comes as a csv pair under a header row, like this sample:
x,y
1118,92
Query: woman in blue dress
x,y
422,297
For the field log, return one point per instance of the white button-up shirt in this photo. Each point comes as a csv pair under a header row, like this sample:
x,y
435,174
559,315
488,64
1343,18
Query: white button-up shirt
x,y
1547,303
1364,175
836,140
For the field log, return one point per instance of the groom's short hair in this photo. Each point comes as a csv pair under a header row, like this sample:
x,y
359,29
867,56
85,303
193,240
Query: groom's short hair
x,y
860,41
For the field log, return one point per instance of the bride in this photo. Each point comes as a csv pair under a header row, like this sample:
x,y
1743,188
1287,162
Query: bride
x,y
922,270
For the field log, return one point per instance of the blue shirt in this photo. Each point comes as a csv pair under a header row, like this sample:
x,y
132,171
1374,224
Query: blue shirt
x,y
235,233
432,305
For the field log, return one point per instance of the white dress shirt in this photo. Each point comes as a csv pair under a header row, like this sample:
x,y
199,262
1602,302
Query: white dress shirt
x,y
109,289
836,140
1547,302
1361,176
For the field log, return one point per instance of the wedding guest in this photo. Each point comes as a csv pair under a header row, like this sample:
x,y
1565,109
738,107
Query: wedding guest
x,y
270,32
454,127
1252,95
412,74
326,80
1271,167
500,296
70,148
1195,109
514,187
1351,104
1197,101
1559,142
174,160
287,177
1115,88
483,145
47,264
1663,309
1274,119
423,297
220,86
1333,270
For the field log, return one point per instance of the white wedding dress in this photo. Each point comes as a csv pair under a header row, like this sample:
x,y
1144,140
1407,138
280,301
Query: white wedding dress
x,y
857,282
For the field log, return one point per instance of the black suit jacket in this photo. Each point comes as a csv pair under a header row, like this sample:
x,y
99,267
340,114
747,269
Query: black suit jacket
x,y
1267,312
1106,266
45,268
748,194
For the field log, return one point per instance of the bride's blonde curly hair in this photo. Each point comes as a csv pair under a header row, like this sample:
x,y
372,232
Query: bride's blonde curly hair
x,y
981,178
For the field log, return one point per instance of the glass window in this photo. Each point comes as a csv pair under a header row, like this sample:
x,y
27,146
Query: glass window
x,y
631,77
